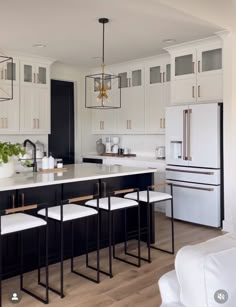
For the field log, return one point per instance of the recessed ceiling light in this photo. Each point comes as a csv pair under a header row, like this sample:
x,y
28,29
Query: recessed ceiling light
x,y
39,45
169,40
96,58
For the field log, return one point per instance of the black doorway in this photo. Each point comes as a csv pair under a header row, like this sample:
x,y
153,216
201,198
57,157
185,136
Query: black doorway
x,y
61,140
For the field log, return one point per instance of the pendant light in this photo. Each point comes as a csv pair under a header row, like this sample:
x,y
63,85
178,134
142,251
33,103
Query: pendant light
x,y
6,78
103,90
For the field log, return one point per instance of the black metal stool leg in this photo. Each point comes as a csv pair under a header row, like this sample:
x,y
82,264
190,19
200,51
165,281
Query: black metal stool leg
x,y
72,247
21,261
110,243
39,258
86,240
148,232
62,258
139,237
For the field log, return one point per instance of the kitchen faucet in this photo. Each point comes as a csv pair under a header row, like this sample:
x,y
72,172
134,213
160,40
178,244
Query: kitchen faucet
x,y
34,153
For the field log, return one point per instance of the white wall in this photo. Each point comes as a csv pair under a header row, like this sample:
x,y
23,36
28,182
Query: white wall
x,y
20,138
142,145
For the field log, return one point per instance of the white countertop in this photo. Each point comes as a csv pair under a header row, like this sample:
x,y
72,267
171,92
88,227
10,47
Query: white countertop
x,y
74,173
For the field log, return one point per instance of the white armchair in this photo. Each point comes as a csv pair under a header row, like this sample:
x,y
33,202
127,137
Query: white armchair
x,y
204,275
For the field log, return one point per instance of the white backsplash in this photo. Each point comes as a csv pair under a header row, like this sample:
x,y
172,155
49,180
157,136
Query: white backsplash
x,y
20,139
142,145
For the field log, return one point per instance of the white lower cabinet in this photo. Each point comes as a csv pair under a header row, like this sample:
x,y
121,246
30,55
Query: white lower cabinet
x,y
34,110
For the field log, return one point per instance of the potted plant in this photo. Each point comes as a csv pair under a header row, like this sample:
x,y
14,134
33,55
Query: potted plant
x,y
8,154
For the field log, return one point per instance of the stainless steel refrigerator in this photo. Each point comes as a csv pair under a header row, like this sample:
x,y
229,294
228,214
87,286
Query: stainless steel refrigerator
x,y
194,162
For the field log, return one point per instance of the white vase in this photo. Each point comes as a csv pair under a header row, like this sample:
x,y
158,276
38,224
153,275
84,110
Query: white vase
x,y
7,169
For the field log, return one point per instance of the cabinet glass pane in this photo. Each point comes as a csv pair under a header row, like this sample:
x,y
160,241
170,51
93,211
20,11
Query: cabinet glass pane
x,y
123,80
184,65
42,75
212,59
168,72
11,71
28,73
155,75
137,77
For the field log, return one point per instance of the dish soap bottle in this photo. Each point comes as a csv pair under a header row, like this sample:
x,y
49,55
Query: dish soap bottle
x,y
50,161
45,161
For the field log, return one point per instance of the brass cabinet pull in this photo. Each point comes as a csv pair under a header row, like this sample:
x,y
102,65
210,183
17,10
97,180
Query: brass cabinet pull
x,y
38,123
130,124
199,94
127,124
5,74
193,67
184,134
6,123
34,77
164,77
160,122
164,123
198,64
193,91
189,158
161,76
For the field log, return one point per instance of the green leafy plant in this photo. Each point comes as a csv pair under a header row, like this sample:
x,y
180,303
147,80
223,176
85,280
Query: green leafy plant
x,y
8,150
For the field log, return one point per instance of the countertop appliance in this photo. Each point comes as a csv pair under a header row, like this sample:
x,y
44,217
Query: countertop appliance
x,y
160,152
194,162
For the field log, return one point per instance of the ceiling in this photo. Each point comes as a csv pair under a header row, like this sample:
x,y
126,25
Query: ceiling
x,y
72,34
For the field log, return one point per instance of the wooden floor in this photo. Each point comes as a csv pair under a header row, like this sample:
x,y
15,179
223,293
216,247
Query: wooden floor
x,y
130,286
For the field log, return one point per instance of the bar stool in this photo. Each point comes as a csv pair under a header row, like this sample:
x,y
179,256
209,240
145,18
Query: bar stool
x,y
65,212
149,196
13,221
111,204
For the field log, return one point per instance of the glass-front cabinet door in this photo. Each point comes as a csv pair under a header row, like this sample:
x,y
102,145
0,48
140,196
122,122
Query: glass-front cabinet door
x,y
130,77
209,59
32,73
8,71
184,64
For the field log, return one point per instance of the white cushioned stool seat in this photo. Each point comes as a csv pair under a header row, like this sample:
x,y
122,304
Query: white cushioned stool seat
x,y
116,203
154,196
18,222
70,212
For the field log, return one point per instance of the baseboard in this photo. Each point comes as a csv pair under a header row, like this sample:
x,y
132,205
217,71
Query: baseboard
x,y
228,226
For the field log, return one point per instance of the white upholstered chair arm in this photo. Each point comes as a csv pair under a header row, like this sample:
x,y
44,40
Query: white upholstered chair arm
x,y
169,289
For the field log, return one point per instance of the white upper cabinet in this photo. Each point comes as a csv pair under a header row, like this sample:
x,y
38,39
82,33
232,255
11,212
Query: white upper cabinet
x,y
34,74
130,118
197,72
157,94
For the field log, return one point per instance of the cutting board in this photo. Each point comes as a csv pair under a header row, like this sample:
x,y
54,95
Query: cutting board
x,y
117,155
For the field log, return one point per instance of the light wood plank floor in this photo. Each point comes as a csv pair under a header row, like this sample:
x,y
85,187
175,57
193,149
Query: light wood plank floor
x,y
130,286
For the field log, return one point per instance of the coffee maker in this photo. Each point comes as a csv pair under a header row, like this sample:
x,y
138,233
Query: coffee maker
x,y
115,144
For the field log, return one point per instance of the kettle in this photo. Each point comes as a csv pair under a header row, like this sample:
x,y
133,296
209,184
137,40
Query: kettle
x,y
160,152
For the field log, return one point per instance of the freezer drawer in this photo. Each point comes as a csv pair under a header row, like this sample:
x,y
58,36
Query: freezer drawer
x,y
196,203
190,174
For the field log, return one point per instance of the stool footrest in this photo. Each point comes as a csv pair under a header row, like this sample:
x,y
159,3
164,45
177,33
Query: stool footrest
x,y
52,289
85,276
127,261
101,271
163,250
142,258
37,297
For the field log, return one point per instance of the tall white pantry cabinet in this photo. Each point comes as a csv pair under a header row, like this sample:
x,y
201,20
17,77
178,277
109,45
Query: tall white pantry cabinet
x,y
29,111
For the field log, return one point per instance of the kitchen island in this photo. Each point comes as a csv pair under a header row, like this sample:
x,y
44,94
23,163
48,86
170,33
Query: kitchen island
x,y
77,180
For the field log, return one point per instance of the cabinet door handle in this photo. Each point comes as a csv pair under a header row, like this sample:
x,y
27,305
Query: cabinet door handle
x,y
33,123
199,93
164,77
13,200
130,124
22,199
127,124
34,77
193,91
5,74
161,77
6,123
193,67
198,65
164,123
37,79
160,122
38,123
1,74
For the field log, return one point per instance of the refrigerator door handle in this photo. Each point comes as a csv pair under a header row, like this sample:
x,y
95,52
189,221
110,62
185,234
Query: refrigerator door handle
x,y
185,112
192,187
189,158
191,172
